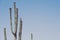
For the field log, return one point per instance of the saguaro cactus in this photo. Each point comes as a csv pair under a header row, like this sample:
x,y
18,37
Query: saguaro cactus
x,y
31,36
5,34
15,22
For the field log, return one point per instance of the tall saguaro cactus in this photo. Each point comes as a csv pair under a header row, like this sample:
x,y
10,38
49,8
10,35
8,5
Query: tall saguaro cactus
x,y
15,23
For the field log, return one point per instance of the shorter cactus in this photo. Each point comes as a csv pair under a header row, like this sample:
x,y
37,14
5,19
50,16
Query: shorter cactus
x,y
5,34
31,36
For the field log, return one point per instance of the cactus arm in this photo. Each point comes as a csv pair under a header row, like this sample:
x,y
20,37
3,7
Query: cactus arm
x,y
11,20
20,30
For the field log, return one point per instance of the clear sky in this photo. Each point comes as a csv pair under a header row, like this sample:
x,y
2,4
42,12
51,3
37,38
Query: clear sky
x,y
40,17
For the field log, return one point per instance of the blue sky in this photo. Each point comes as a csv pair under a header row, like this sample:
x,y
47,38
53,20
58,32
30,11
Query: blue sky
x,y
40,17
